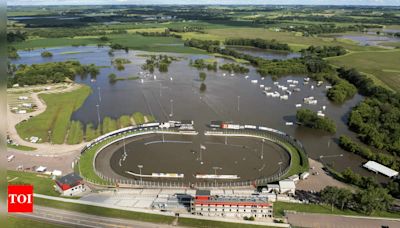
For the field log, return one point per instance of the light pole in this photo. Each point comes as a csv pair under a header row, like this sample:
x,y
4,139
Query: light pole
x,y
330,156
280,167
262,149
238,103
140,173
98,114
172,108
98,88
215,168
160,89
124,146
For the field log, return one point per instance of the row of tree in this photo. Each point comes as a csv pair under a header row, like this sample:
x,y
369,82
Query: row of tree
x,y
348,144
16,36
314,29
393,186
201,64
323,51
52,72
233,67
369,200
259,43
161,62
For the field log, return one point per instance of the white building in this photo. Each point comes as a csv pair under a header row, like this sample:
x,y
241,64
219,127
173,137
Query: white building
x,y
256,206
70,185
379,168
287,187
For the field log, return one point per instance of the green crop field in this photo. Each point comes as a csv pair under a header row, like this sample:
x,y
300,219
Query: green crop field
x,y
383,66
56,119
133,41
296,41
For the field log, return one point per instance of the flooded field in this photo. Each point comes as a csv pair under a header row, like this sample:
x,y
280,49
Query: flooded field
x,y
176,95
371,40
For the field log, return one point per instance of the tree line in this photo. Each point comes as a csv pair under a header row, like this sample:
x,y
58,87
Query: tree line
x,y
393,186
200,64
52,72
369,200
314,29
259,43
348,144
377,118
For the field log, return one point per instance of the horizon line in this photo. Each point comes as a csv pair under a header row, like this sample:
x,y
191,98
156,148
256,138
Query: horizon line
x,y
194,4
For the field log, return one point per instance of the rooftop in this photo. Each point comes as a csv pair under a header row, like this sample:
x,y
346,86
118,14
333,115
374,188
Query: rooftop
x,y
376,167
70,179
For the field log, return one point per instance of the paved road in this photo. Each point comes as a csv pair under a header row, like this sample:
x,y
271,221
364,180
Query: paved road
x,y
76,219
337,221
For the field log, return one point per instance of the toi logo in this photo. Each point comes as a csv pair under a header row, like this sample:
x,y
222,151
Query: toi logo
x,y
20,198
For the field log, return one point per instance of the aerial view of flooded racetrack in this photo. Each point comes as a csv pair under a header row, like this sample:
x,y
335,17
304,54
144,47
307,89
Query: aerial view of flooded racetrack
x,y
176,95
242,157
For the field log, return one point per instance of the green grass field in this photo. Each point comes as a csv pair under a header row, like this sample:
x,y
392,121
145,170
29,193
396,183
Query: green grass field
x,y
299,161
133,41
75,133
295,41
25,223
56,118
383,66
42,184
280,207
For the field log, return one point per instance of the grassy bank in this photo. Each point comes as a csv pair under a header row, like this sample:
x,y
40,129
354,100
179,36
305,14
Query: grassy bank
x,y
383,66
21,147
105,212
42,184
280,207
24,222
299,160
55,120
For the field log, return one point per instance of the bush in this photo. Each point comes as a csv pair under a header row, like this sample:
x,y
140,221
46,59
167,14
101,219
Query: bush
x,y
310,119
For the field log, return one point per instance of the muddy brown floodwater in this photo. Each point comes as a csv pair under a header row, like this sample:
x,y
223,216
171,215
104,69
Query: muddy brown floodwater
x,y
230,98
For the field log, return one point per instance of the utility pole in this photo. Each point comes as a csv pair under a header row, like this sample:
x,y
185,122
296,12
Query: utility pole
x,y
238,103
215,173
98,114
172,108
262,149
98,88
140,172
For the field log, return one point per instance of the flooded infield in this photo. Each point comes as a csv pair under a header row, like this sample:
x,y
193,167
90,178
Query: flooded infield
x,y
246,157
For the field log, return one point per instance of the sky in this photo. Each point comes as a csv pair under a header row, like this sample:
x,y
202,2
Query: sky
x,y
246,2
